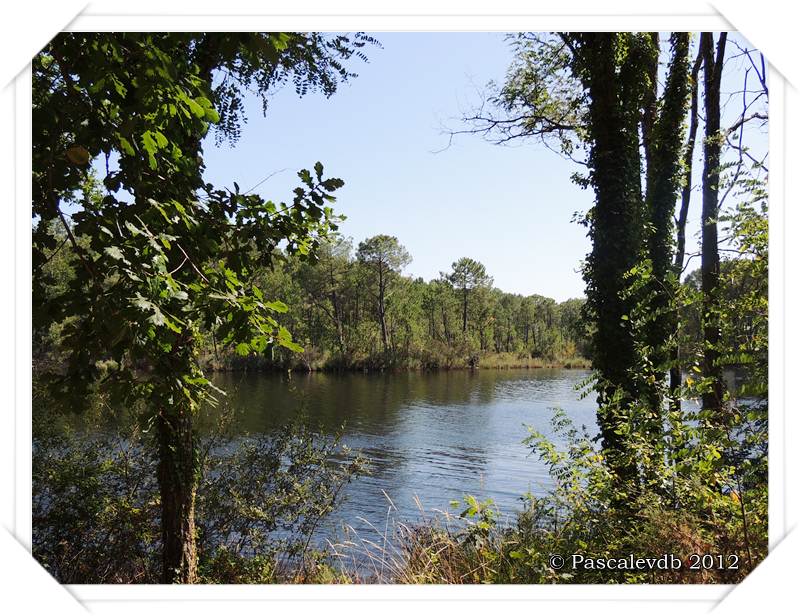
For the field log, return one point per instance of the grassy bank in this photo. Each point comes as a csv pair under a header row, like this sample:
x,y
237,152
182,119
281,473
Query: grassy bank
x,y
314,362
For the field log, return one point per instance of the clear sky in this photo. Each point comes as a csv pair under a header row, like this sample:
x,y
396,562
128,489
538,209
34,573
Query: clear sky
x,y
508,207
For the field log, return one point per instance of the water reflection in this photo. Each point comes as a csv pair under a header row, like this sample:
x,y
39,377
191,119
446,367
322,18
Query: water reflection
x,y
436,436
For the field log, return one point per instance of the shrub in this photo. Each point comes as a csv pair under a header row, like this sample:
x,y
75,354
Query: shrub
x,y
96,507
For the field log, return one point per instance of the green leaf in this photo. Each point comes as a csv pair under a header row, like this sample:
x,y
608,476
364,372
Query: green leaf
x,y
126,146
114,252
195,108
161,140
149,142
276,306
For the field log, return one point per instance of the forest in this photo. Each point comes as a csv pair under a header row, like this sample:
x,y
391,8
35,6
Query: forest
x,y
148,281
356,311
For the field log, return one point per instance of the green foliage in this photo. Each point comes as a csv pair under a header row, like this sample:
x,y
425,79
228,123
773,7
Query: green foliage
x,y
383,254
335,314
139,275
540,97
385,258
163,256
96,504
266,496
149,273
696,508
467,276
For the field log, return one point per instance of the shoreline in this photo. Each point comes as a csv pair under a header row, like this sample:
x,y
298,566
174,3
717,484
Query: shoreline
x,y
576,363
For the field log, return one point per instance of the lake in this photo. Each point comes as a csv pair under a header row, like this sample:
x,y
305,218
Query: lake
x,y
433,436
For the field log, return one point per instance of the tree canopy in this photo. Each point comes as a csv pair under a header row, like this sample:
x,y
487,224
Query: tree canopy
x,y
163,253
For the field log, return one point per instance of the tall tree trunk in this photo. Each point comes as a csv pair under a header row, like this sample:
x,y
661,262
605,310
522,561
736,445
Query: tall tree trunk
x,y
177,454
382,310
177,481
464,316
617,221
712,72
664,148
675,376
338,313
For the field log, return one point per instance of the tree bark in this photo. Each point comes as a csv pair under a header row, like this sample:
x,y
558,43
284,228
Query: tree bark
x,y
712,72
177,481
675,376
663,184
464,315
382,309
616,234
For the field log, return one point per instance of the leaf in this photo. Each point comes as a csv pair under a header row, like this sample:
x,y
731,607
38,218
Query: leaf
x,y
171,324
161,140
126,146
114,252
78,155
212,116
195,108
149,142
150,146
276,306
292,346
305,176
157,318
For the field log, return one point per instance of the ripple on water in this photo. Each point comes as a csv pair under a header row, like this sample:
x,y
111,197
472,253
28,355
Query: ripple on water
x,y
431,437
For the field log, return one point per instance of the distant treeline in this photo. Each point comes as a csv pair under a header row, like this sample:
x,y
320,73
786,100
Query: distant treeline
x,y
354,309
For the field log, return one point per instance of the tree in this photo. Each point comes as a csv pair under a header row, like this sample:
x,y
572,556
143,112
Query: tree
x,y
572,324
467,276
163,256
664,149
385,257
675,376
712,75
598,93
326,286
613,70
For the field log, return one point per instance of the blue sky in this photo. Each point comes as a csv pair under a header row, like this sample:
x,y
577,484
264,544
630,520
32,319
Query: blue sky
x,y
508,207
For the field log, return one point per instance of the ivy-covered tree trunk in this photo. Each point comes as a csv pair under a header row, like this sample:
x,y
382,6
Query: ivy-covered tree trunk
x,y
663,147
177,481
615,231
712,71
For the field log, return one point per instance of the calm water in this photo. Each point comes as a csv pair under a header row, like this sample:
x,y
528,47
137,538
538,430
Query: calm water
x,y
434,436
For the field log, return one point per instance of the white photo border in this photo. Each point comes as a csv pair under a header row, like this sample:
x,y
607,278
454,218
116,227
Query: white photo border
x,y
107,595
